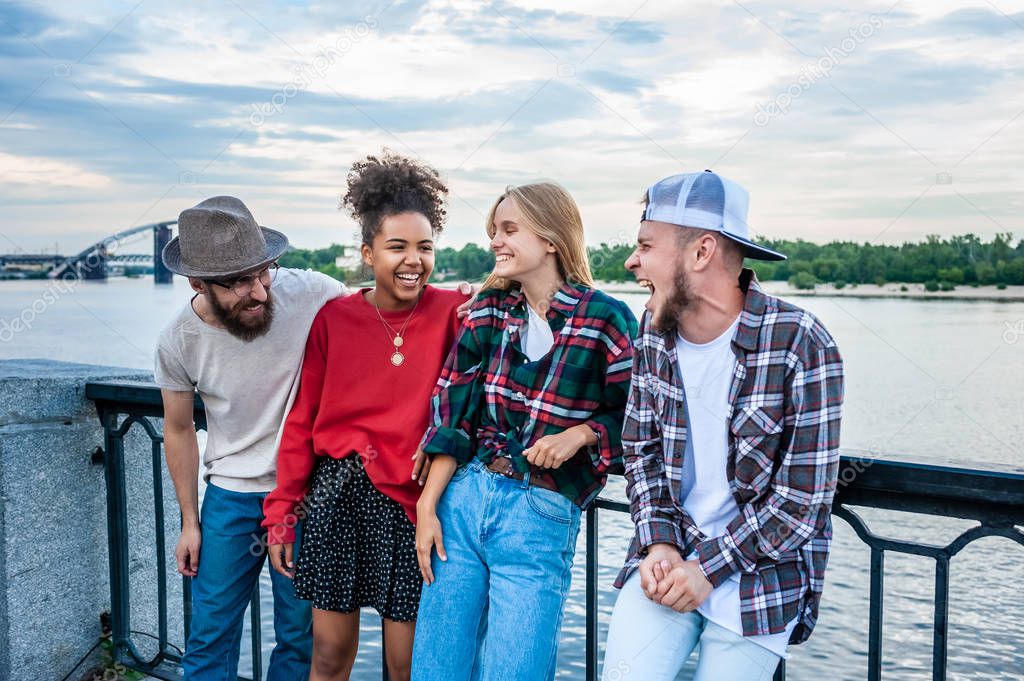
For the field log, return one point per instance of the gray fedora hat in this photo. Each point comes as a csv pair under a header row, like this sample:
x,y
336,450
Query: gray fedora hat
x,y
218,238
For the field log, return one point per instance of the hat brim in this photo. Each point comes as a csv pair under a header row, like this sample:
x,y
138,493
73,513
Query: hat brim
x,y
752,250
277,244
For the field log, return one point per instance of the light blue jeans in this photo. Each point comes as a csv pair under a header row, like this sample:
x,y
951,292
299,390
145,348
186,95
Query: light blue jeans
x,y
230,561
494,611
650,642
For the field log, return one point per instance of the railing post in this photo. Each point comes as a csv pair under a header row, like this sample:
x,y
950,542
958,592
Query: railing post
x,y
875,615
591,571
186,605
161,552
256,634
117,535
939,641
383,653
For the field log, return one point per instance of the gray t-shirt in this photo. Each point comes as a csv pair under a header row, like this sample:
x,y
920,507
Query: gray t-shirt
x,y
247,387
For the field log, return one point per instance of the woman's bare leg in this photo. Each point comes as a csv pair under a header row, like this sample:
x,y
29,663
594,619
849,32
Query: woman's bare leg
x,y
398,644
335,641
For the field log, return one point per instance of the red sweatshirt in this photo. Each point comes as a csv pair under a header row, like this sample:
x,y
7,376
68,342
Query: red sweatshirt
x,y
351,399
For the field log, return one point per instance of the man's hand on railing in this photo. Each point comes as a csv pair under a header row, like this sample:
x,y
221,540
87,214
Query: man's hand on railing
x,y
187,551
281,558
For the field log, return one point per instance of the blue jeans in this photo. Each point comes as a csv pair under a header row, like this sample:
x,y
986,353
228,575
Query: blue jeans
x,y
231,558
495,608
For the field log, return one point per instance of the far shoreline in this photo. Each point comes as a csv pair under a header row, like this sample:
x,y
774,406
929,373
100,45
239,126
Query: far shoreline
x,y
889,291
1010,294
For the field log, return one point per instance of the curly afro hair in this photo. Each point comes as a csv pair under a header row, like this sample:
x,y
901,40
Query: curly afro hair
x,y
379,187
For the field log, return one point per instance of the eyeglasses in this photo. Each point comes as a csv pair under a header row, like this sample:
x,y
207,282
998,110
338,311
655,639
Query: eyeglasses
x,y
243,286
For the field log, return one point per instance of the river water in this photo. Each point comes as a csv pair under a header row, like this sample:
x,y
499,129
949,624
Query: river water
x,y
937,380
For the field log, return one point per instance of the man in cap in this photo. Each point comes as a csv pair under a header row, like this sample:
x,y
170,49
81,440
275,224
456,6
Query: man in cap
x,y
731,440
239,343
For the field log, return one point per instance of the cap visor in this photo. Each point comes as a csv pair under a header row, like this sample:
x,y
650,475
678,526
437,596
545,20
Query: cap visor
x,y
752,250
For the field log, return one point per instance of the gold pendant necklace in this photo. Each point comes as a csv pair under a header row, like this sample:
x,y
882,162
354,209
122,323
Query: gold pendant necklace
x,y
397,358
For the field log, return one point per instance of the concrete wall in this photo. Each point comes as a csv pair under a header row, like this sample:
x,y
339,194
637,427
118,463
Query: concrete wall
x,y
53,535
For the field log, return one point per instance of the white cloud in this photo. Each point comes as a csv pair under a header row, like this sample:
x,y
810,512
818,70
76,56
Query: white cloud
x,y
825,169
48,172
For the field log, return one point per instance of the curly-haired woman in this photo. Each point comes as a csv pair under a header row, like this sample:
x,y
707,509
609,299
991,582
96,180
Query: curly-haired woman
x,y
371,362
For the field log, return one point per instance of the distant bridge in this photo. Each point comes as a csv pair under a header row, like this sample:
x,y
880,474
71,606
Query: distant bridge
x,y
131,258
30,260
91,263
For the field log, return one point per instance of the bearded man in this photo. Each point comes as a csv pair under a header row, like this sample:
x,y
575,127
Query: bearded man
x,y
731,448
238,343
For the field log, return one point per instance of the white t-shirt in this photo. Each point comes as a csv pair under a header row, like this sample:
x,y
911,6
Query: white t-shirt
x,y
247,387
707,370
536,337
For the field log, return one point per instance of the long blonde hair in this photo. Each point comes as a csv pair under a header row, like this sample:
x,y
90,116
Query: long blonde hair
x,y
551,213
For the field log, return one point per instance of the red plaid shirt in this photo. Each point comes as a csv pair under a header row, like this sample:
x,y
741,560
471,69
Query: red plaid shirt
x,y
492,401
786,397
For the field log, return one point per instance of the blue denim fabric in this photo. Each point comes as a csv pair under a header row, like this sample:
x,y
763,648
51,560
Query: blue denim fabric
x,y
495,608
229,569
650,642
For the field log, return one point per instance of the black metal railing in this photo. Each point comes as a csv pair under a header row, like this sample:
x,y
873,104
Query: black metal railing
x,y
993,498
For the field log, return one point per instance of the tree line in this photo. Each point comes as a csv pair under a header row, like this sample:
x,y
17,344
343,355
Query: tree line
x,y
936,262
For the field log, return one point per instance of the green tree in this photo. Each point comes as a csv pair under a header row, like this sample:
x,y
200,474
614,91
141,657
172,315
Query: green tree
x,y
964,259
803,280
984,273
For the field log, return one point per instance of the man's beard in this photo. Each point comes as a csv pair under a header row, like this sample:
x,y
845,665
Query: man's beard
x,y
231,318
681,298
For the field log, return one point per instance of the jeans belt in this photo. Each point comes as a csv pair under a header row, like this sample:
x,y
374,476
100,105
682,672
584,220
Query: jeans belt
x,y
503,466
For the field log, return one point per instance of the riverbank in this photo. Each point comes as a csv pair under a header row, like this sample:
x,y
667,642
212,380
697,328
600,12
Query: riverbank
x,y
1010,294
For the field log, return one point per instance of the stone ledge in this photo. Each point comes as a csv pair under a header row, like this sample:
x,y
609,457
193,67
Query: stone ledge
x,y
54,579
39,390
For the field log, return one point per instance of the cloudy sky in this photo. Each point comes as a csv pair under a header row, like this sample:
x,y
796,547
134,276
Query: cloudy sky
x,y
884,122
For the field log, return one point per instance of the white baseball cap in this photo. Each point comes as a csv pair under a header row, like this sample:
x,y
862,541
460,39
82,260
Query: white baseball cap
x,y
706,201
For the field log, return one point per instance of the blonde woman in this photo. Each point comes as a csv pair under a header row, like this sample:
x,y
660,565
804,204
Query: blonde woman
x,y
527,416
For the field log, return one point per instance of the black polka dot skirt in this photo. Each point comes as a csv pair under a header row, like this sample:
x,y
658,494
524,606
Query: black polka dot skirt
x,y
358,546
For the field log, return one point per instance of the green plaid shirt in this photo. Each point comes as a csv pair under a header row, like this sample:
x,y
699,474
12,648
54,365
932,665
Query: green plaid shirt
x,y
492,401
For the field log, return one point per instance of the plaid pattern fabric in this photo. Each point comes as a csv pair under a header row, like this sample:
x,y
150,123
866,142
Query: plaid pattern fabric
x,y
786,397
489,389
